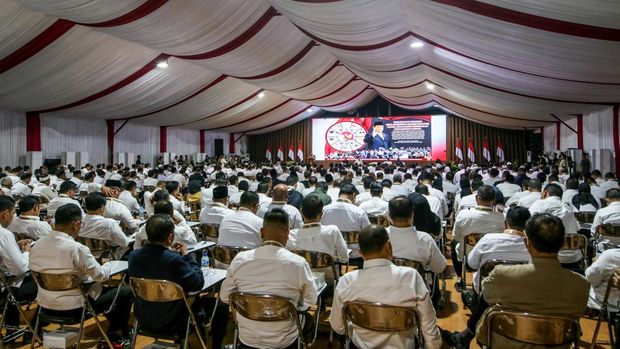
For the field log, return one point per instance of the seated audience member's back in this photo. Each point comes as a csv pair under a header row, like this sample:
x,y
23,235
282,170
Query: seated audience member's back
x,y
599,274
241,228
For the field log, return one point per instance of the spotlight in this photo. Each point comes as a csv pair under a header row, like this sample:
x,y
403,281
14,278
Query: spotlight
x,y
310,110
430,86
162,64
261,95
417,44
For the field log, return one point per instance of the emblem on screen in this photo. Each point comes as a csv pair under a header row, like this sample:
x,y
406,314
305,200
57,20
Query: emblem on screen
x,y
346,136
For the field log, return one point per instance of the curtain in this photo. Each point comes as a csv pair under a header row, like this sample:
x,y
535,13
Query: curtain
x,y
61,134
568,138
139,139
550,138
12,138
598,130
183,141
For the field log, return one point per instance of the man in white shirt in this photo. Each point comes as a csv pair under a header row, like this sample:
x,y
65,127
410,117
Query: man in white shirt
x,y
22,187
407,242
117,210
43,189
599,274
312,181
448,186
236,197
314,236
182,232
261,190
217,209
59,253
551,203
176,198
148,194
609,213
492,177
206,194
375,206
427,179
271,269
128,197
610,182
28,222
382,282
279,195
433,201
242,228
572,186
96,226
365,195
469,201
533,194
7,184
14,260
334,190
66,195
398,187
508,186
480,220
507,246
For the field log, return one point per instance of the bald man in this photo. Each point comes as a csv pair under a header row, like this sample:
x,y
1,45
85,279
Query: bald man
x,y
279,194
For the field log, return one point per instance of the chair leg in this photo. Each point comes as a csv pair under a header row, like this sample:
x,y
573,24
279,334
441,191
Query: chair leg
x,y
103,333
186,340
81,331
610,328
134,336
35,335
4,310
36,326
316,322
236,334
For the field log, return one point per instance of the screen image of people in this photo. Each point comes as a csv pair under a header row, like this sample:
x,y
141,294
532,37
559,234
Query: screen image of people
x,y
376,139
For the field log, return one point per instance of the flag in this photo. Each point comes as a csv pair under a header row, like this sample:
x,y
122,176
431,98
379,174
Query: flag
x,y
500,150
486,152
291,152
268,152
471,154
280,153
300,152
459,149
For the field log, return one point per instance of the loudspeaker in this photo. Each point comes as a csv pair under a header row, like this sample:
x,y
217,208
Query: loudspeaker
x,y
218,145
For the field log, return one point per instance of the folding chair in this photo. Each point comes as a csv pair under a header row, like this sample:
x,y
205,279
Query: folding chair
x,y
585,217
604,231
469,240
163,291
209,232
380,220
382,318
604,311
66,282
533,329
577,242
12,300
266,308
99,248
352,239
225,254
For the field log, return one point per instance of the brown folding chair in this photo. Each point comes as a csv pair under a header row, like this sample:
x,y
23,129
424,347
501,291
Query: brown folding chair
x,y
66,282
225,254
209,231
163,291
534,329
603,231
612,283
352,239
577,242
22,236
380,220
382,318
99,248
585,217
488,266
265,308
6,283
469,240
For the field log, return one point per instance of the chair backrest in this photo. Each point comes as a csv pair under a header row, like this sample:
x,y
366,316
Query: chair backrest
x,y
531,328
56,282
405,262
262,307
156,290
21,236
608,229
233,205
316,259
585,217
42,199
351,237
575,242
194,205
380,220
488,266
225,254
472,239
96,246
381,317
211,230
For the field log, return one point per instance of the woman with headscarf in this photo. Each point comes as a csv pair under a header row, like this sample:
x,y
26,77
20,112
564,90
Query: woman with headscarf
x,y
423,218
584,201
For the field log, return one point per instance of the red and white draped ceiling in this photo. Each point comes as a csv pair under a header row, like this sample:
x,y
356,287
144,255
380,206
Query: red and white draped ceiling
x,y
258,65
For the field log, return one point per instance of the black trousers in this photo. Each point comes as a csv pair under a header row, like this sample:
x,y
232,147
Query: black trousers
x,y
203,309
27,291
476,314
458,265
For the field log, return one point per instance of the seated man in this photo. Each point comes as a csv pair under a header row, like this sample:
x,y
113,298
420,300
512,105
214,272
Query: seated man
x,y
407,242
96,226
382,282
59,253
433,201
279,195
271,269
182,231
66,195
128,197
375,206
157,261
43,189
14,260
609,214
480,220
214,211
508,246
117,209
541,287
535,188
313,236
242,228
598,274
28,221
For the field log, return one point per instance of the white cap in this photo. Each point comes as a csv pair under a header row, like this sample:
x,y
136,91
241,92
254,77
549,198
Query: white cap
x,y
150,182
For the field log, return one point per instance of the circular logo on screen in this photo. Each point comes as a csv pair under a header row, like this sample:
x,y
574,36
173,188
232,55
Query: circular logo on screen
x,y
346,136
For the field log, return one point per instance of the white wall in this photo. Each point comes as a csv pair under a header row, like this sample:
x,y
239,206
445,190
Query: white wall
x,y
183,141
12,138
138,139
598,130
60,134
210,136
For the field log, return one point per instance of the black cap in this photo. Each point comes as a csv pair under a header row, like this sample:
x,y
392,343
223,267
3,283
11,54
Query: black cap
x,y
113,183
220,192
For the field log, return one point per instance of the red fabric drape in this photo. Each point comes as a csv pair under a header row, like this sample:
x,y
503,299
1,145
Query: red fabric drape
x,y
231,144
558,127
110,126
580,131
33,131
163,139
202,141
616,135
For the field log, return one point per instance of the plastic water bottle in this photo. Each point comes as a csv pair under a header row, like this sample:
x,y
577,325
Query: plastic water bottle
x,y
205,261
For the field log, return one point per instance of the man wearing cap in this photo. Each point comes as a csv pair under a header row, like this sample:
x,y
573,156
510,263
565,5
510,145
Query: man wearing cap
x,y
217,209
376,139
116,209
42,189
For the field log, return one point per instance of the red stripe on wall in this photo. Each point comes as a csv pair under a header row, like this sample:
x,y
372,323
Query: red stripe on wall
x,y
33,132
558,128
616,135
580,131
202,141
141,11
231,144
163,139
110,127
35,45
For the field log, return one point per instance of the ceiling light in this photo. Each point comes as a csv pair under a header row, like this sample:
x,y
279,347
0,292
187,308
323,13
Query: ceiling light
x,y
436,105
261,95
430,86
310,110
162,64
417,44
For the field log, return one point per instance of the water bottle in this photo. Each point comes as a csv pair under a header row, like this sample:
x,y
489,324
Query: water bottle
x,y
205,261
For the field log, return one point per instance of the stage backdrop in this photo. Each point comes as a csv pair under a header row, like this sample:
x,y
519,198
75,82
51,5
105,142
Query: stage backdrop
x,y
420,137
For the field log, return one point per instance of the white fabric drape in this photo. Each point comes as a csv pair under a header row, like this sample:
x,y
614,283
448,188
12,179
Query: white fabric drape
x,y
211,136
183,141
550,138
61,134
137,138
598,130
12,138
568,138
